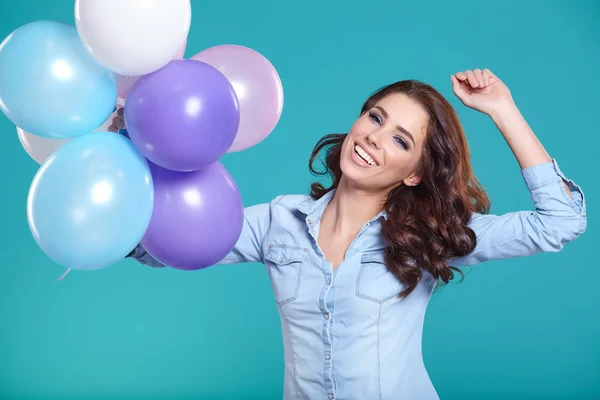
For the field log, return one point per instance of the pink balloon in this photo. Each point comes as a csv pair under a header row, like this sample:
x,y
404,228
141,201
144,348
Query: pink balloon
x,y
125,83
257,86
181,51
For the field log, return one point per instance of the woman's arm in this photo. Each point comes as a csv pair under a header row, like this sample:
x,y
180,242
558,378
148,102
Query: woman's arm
x,y
248,248
560,211
557,218
520,138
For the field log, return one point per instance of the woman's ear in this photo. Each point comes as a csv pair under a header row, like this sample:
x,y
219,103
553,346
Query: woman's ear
x,y
412,180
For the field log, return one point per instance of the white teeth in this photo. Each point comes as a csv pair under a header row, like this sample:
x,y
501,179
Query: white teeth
x,y
365,156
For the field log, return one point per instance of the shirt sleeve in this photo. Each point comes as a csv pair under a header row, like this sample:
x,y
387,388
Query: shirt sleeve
x,y
248,248
556,220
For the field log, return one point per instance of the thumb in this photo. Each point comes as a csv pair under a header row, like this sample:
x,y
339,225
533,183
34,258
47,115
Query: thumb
x,y
458,89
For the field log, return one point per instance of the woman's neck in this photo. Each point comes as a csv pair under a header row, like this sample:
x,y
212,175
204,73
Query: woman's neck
x,y
350,208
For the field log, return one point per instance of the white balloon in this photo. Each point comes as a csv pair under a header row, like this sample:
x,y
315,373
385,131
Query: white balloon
x,y
40,148
133,37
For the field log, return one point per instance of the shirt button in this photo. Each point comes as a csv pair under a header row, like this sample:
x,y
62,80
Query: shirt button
x,y
331,396
326,316
328,357
329,281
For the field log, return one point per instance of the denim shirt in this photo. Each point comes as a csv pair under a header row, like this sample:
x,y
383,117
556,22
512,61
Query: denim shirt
x,y
346,333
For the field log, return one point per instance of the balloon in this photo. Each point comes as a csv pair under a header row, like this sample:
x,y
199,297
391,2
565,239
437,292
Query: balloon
x,y
181,52
50,86
197,218
91,202
40,148
257,86
126,82
133,37
183,116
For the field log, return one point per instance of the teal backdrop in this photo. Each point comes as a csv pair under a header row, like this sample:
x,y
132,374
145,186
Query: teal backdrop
x,y
513,329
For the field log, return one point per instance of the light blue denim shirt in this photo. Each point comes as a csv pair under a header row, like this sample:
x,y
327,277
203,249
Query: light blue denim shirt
x,y
346,333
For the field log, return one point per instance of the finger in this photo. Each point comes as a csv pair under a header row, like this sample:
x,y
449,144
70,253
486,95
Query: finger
x,y
455,81
486,76
472,79
461,76
457,88
489,73
479,76
490,76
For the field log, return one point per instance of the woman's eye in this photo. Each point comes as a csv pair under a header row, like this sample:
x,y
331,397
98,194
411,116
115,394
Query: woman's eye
x,y
375,117
401,142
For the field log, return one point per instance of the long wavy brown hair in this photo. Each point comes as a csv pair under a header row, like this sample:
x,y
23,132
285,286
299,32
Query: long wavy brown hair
x,y
427,224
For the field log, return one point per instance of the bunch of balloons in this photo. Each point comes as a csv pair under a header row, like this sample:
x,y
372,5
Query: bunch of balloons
x,y
129,134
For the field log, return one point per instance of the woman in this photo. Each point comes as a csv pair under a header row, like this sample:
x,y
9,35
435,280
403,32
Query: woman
x,y
353,265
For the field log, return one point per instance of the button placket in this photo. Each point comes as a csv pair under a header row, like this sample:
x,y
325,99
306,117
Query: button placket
x,y
326,302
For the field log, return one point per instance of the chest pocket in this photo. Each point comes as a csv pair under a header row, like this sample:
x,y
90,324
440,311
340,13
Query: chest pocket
x,y
284,265
375,282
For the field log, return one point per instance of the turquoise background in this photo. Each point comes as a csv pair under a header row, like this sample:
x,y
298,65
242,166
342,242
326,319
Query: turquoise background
x,y
513,329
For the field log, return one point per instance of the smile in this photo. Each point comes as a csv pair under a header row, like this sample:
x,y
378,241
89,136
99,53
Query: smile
x,y
364,157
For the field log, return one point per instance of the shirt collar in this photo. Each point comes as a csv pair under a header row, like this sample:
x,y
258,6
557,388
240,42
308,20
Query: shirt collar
x,y
314,209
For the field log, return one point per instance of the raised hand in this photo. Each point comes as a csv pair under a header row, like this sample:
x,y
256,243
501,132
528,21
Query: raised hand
x,y
481,90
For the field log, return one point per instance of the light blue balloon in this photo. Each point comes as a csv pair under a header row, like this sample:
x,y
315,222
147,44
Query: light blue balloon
x,y
50,85
91,202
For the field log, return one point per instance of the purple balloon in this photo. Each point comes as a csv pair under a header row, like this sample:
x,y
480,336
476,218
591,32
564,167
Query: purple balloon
x,y
184,116
197,217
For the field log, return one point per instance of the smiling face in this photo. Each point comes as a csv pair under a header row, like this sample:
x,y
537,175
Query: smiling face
x,y
384,146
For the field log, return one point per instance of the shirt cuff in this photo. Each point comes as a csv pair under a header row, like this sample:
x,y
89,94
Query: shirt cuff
x,y
549,173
